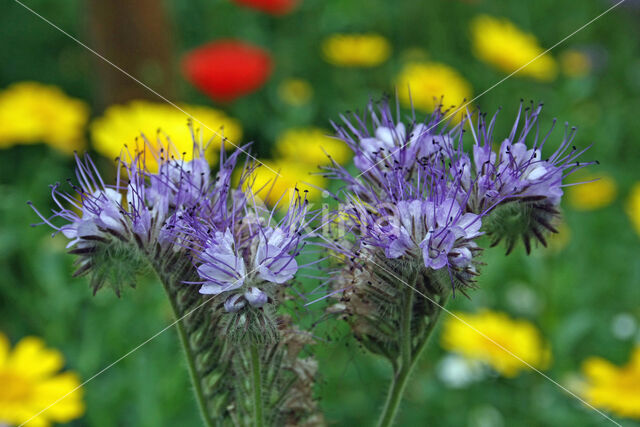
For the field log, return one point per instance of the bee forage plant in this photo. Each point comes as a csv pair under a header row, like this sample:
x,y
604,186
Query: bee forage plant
x,y
416,210
223,260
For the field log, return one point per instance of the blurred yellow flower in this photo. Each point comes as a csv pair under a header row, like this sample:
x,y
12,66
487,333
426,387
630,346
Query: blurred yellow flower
x,y
500,43
295,92
122,125
633,206
575,63
31,112
425,83
311,146
293,174
518,336
356,50
592,195
614,388
30,381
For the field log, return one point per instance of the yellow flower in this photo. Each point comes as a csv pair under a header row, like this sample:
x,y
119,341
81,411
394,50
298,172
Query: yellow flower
x,y
271,187
500,43
30,382
614,388
518,336
31,112
356,50
633,206
122,125
295,92
311,146
592,195
575,63
425,83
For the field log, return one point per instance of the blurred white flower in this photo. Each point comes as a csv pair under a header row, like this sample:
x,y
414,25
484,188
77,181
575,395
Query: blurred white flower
x,y
523,299
485,416
458,372
623,326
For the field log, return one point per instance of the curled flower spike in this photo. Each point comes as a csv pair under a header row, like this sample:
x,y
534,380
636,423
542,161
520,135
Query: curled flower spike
x,y
191,226
434,234
118,231
522,187
382,144
416,209
409,200
98,227
246,253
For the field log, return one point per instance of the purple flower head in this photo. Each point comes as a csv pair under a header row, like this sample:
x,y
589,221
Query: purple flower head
x,y
382,144
410,198
519,170
520,186
130,222
429,229
243,252
429,163
92,211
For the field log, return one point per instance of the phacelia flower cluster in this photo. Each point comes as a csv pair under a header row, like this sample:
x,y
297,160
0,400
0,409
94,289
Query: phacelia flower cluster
x,y
420,197
417,206
178,217
247,253
206,233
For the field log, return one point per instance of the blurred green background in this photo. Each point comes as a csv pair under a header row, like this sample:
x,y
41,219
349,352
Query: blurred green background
x,y
576,293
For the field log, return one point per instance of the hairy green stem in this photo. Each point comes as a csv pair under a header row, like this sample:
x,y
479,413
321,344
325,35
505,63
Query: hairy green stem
x,y
396,390
191,363
405,335
258,418
409,356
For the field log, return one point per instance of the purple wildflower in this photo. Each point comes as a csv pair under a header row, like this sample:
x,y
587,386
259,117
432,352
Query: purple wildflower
x,y
517,171
387,144
133,222
221,268
431,230
409,200
517,182
429,164
246,253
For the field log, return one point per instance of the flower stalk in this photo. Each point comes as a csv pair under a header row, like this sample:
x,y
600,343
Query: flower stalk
x,y
256,375
409,353
190,357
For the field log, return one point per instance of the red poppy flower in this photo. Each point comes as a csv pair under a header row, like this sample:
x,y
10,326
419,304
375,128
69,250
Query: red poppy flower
x,y
274,7
227,69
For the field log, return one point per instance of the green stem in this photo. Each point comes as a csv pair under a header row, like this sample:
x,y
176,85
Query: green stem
x,y
405,335
400,377
393,398
191,363
408,356
258,419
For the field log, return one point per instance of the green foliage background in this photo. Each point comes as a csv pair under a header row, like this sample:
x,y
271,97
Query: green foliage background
x,y
579,289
